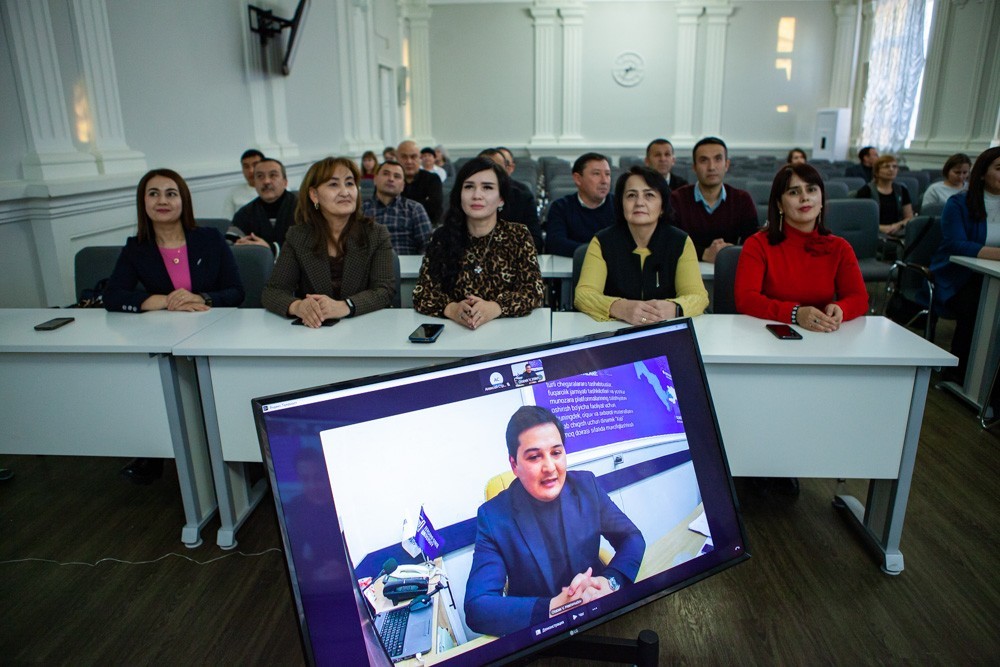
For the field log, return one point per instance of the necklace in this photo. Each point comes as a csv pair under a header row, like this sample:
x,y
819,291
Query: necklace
x,y
176,259
479,263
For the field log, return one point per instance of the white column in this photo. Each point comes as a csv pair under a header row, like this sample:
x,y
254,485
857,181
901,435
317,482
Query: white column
x,y
715,66
99,90
984,113
354,36
544,23
845,53
418,17
686,58
572,73
51,152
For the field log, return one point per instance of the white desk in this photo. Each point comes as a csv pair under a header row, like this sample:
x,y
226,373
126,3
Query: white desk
x,y
106,385
984,354
254,353
842,405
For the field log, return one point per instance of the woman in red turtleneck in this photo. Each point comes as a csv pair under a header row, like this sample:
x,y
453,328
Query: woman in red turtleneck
x,y
795,270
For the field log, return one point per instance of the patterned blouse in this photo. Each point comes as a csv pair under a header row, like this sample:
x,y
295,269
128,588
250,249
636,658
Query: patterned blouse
x,y
510,275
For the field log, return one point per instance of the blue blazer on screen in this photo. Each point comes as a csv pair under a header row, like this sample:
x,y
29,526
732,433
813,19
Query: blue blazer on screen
x,y
510,552
140,272
961,234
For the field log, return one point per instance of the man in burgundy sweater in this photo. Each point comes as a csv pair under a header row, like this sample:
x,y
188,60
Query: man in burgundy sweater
x,y
714,215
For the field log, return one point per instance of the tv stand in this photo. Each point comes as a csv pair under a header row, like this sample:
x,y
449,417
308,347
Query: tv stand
x,y
643,651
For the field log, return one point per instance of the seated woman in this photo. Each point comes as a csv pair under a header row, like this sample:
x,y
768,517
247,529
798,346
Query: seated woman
x,y
970,226
335,262
796,156
478,267
170,265
641,269
956,172
369,163
796,271
893,199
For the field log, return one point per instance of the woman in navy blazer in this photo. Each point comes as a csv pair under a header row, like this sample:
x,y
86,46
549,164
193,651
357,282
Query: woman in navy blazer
x,y
970,226
171,264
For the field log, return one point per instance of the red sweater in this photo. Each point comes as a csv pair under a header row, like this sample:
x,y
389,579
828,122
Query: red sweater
x,y
804,269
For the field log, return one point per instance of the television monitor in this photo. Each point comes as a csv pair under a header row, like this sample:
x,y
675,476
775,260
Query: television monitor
x,y
502,503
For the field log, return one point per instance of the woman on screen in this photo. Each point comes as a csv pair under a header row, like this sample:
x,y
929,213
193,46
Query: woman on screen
x,y
642,269
170,265
796,156
369,163
477,266
795,270
970,227
335,262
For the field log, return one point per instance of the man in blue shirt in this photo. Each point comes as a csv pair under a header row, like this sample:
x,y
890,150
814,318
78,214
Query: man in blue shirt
x,y
574,219
407,221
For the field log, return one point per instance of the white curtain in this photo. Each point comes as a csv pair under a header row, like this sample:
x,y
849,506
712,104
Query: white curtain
x,y
896,65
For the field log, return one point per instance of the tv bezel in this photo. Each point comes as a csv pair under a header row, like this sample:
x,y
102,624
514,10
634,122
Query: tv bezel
x,y
543,644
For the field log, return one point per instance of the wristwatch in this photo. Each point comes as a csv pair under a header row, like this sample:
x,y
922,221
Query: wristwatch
x,y
680,309
206,298
613,584
350,306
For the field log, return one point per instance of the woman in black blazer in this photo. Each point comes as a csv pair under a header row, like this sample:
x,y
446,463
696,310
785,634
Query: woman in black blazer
x,y
170,264
335,262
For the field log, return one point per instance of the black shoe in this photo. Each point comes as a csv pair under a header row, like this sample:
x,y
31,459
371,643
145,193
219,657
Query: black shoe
x,y
143,471
786,486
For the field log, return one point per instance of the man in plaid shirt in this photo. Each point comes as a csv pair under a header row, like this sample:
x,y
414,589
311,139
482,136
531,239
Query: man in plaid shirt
x,y
407,221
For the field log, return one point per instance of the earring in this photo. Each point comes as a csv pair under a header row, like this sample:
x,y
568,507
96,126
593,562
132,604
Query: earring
x,y
316,205
781,219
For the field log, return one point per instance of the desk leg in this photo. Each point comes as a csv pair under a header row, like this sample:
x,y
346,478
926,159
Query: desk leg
x,y
194,470
984,354
237,499
880,520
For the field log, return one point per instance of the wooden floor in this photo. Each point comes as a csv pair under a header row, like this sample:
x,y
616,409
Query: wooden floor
x,y
811,594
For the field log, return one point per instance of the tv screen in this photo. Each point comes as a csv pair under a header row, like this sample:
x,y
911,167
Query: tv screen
x,y
476,512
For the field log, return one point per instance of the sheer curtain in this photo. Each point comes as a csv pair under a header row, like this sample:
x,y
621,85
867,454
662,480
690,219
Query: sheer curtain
x,y
896,65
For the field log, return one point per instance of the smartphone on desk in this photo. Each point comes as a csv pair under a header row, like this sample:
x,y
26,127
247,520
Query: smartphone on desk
x,y
326,323
784,332
426,333
54,323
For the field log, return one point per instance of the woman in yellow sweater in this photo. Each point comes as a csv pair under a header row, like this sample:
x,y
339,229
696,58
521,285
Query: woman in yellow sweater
x,y
642,269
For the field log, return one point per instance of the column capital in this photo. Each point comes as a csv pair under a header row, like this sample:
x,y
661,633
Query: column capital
x,y
414,10
845,8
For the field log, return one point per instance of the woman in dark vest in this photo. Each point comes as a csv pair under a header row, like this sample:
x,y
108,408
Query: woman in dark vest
x,y
893,199
642,269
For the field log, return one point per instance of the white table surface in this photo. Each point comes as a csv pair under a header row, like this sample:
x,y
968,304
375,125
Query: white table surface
x,y
989,267
743,339
96,330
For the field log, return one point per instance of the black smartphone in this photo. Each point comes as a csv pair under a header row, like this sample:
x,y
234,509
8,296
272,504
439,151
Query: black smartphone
x,y
54,323
326,323
426,333
784,331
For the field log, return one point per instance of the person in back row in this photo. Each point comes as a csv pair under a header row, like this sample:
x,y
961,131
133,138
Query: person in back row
x,y
713,214
893,199
866,162
956,173
574,219
423,187
266,219
244,193
407,221
660,157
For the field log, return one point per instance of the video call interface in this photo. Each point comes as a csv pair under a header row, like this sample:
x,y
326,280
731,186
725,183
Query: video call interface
x,y
617,493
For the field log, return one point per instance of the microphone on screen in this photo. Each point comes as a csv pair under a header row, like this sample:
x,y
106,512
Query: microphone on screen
x,y
388,567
